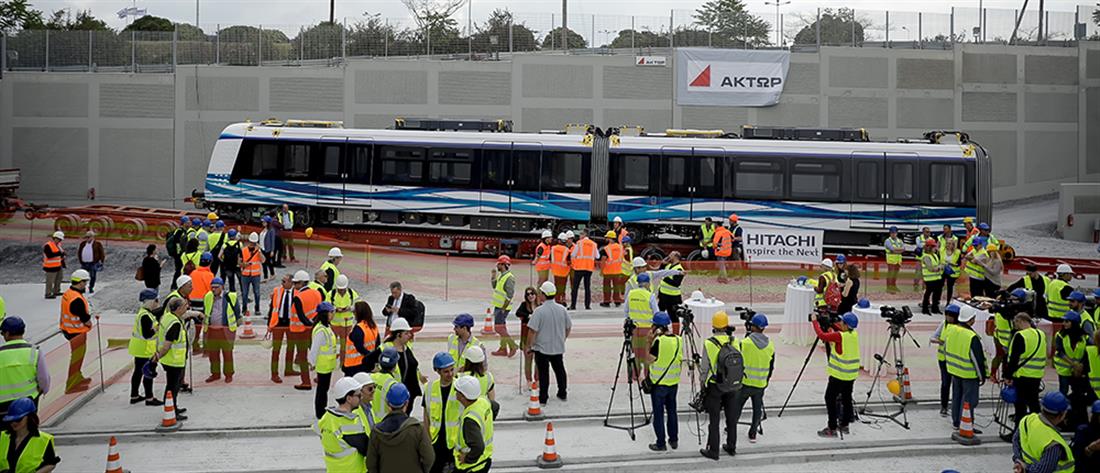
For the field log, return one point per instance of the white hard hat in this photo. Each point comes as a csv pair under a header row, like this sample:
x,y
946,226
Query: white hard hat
x,y
638,262
547,234
548,288
400,324
570,234
335,252
697,296
562,236
618,220
60,235
828,263
966,316
341,282
469,387
254,237
474,354
182,280
301,276
344,386
80,275
364,379
1064,269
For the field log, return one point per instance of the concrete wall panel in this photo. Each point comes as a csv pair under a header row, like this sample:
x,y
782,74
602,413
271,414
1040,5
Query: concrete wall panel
x,y
375,120
926,74
223,93
726,118
535,119
1050,108
803,78
1003,152
925,113
1092,130
137,100
53,162
641,83
396,87
1049,155
789,114
1092,64
862,112
50,99
199,139
128,159
989,68
988,107
306,94
1053,70
858,72
557,81
475,88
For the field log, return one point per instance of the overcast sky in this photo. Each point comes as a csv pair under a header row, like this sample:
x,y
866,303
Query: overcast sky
x,y
294,12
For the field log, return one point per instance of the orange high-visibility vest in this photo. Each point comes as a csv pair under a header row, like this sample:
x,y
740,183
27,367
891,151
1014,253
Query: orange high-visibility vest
x,y
277,305
310,298
559,264
201,278
723,242
622,233
251,260
352,357
614,264
542,257
52,262
70,323
584,255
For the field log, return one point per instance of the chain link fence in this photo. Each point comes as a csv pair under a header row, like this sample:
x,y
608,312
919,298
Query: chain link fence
x,y
503,35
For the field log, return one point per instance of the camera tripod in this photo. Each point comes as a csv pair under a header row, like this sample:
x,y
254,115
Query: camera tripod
x,y
821,312
688,331
893,346
633,370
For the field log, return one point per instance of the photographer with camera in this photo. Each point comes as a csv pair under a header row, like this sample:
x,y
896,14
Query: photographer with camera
x,y
939,337
1035,282
932,272
1027,360
759,355
719,389
842,346
965,363
664,379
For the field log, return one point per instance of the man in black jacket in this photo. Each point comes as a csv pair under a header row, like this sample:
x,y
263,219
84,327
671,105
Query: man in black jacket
x,y
404,305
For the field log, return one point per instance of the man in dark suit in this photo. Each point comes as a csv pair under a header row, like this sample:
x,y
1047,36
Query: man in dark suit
x,y
404,305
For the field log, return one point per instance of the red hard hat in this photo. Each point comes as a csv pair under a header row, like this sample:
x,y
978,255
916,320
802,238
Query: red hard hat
x,y
504,259
930,242
733,217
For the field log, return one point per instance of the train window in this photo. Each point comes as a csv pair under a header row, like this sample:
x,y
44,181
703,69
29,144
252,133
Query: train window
x,y
632,173
759,178
450,167
358,166
948,183
526,169
265,161
901,180
707,182
674,179
402,165
495,172
563,171
815,180
330,166
868,178
296,161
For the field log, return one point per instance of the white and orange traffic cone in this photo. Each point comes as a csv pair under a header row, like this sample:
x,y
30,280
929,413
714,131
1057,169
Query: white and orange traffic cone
x,y
168,422
965,435
487,328
247,332
549,457
534,409
114,460
906,389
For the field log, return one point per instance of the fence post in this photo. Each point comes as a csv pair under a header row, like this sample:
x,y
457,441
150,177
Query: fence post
x,y
982,21
551,31
46,64
175,44
887,29
218,45
386,40
593,31
854,29
671,35
344,42
301,46
920,30
632,32
3,53
817,29
951,28
133,52
260,47
511,37
90,39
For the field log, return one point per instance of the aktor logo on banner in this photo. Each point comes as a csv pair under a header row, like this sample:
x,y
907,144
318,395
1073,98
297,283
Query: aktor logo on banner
x,y
703,80
783,245
737,78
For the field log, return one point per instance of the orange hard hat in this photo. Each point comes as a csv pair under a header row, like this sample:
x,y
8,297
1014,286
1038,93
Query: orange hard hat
x,y
504,259
929,242
733,217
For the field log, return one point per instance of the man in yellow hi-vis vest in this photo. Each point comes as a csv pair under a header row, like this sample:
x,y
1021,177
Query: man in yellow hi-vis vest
x,y
1027,362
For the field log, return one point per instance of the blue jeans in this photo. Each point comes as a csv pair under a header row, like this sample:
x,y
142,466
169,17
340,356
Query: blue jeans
x,y
253,281
664,401
963,390
91,268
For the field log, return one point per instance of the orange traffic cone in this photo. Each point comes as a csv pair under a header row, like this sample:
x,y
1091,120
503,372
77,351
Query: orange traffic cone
x,y
549,457
907,390
114,460
965,435
534,409
248,333
168,423
487,329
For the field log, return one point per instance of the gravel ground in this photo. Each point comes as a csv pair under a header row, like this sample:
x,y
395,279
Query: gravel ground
x,y
1030,226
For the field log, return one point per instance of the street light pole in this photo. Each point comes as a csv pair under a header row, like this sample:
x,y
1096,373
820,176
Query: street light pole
x,y
778,3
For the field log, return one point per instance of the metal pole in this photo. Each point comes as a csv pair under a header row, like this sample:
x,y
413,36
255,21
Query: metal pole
x,y
301,46
133,51
99,345
984,19
446,275
1041,30
671,36
260,47
564,27
90,39
511,37
920,30
817,28
951,28
47,63
3,53
632,32
175,59
470,27
593,31
218,45
344,41
854,28
552,38
887,28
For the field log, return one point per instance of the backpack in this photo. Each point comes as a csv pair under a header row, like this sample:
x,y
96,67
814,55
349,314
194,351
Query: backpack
x,y
729,367
231,255
172,242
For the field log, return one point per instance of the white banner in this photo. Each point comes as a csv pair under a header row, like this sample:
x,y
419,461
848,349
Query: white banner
x,y
730,77
784,245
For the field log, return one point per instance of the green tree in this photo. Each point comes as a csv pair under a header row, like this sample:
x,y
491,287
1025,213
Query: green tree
x,y
553,40
837,27
641,39
150,23
730,23
64,20
18,14
499,23
322,41
434,20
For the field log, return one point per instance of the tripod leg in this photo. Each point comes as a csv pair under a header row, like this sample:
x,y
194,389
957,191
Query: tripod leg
x,y
615,385
799,378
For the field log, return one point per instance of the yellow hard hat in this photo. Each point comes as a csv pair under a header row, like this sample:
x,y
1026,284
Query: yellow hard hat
x,y
993,247
720,320
212,216
609,234
968,220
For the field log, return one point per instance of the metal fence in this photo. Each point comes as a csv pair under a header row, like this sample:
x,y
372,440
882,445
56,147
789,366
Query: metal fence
x,y
254,45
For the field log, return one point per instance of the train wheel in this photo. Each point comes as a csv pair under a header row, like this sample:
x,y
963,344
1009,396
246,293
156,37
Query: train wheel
x,y
303,218
696,255
70,224
652,250
101,225
132,229
166,228
1008,253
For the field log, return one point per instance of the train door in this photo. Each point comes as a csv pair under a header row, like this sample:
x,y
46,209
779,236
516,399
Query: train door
x,y
330,175
706,183
673,197
902,196
869,191
358,180
525,189
496,177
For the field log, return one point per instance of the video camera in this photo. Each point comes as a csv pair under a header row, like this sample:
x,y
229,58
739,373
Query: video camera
x,y
628,328
745,314
896,316
1009,306
684,314
826,316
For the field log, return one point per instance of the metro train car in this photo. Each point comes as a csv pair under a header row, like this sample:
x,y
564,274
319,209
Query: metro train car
x,y
440,172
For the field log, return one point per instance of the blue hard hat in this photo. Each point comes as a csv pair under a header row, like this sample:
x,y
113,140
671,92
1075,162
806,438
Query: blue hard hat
x,y
979,241
1019,293
1096,292
232,233
864,303
893,229
627,239
850,320
953,309
841,259
802,280
398,395
983,226
326,307
759,320
442,360
662,319
219,282
463,320
1076,296
20,409
267,219
643,278
185,220
206,257
1071,316
1096,407
206,222
219,224
195,221
388,358
13,325
1008,394
149,294
149,370
1055,402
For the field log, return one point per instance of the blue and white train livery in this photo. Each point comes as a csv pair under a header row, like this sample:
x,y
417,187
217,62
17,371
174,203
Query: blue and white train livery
x,y
659,185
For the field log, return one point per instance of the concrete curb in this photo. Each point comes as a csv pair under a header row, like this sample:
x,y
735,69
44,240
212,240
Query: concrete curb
x,y
83,400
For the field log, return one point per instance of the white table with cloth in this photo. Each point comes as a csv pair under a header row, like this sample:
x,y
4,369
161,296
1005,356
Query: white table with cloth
x,y
796,311
703,309
874,332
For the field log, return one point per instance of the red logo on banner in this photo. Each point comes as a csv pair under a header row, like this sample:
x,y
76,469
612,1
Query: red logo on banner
x,y
702,80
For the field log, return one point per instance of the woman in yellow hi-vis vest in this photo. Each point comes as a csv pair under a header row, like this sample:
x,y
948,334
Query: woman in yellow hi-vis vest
x,y
323,350
38,452
842,345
